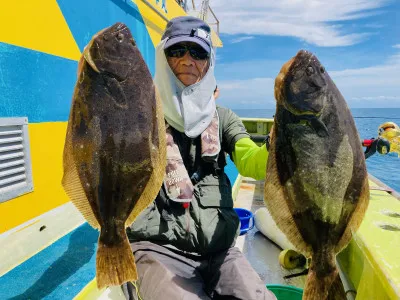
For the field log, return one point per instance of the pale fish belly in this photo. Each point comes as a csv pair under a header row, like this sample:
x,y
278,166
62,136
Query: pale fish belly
x,y
320,177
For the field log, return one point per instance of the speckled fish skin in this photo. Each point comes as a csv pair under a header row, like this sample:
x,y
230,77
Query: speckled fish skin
x,y
114,141
316,185
111,121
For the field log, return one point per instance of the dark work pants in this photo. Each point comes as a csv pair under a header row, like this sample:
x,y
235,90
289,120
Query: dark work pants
x,y
164,274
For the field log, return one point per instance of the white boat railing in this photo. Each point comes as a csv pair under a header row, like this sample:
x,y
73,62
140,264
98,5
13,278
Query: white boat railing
x,y
155,9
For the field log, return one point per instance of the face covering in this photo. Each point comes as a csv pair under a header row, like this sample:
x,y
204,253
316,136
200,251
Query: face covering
x,y
188,109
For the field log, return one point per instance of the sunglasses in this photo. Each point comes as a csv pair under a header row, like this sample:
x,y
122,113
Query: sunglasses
x,y
179,50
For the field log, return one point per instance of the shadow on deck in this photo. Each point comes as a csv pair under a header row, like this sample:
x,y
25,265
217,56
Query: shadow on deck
x,y
261,252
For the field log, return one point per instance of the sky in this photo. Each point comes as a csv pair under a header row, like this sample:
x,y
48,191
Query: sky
x,y
357,41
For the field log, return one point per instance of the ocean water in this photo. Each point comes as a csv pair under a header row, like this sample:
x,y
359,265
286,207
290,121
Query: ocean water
x,y
384,167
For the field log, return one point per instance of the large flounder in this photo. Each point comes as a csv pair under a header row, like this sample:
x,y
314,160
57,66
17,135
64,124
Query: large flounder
x,y
316,186
115,148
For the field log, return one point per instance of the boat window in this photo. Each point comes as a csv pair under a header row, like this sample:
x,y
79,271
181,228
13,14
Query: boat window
x,y
15,158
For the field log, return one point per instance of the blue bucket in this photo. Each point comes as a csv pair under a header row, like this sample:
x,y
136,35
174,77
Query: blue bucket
x,y
246,218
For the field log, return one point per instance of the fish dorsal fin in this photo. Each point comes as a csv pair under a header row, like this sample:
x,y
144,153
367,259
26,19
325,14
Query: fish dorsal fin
x,y
274,198
159,161
72,184
356,217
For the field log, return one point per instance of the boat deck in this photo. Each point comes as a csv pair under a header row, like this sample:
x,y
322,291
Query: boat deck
x,y
261,252
53,256
64,268
368,270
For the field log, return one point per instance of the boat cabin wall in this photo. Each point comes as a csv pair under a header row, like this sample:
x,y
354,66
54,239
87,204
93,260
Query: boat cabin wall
x,y
38,70
258,128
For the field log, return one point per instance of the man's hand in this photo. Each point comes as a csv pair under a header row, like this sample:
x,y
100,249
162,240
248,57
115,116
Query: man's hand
x,y
267,140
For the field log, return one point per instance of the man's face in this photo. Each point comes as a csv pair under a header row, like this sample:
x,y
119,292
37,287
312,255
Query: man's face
x,y
186,68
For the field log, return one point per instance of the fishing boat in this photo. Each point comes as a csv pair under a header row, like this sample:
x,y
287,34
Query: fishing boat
x,y
47,248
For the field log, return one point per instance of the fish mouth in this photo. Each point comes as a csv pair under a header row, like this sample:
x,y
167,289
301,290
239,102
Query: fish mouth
x,y
88,57
115,29
290,64
313,121
300,102
311,104
303,111
305,53
280,81
307,104
118,27
316,93
86,50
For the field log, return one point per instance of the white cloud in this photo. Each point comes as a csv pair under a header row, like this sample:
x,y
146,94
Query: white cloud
x,y
380,98
386,75
247,85
397,46
241,39
375,86
249,93
309,20
373,25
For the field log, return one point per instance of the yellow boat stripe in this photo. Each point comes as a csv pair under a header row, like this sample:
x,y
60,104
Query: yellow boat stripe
x,y
31,237
154,23
37,25
47,145
372,259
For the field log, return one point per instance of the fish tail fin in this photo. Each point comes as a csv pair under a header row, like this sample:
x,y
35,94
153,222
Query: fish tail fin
x,y
323,280
115,264
318,286
337,292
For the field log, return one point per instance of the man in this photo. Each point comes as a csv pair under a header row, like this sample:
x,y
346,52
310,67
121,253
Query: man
x,y
183,242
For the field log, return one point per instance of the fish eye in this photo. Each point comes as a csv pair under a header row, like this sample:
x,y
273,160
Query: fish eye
x,y
310,70
120,37
322,70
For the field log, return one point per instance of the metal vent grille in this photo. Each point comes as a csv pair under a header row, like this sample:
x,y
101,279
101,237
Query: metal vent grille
x,y
15,162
